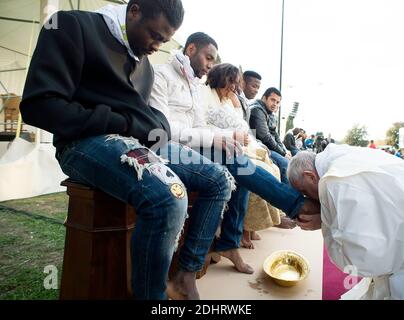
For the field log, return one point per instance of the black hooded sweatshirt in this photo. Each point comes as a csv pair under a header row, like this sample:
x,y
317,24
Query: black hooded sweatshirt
x,y
82,82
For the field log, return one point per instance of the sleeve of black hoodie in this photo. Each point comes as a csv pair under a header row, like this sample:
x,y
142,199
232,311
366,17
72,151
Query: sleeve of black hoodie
x,y
258,122
288,141
53,77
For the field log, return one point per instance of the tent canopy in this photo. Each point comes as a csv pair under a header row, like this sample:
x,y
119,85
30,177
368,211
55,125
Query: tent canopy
x,y
28,169
20,23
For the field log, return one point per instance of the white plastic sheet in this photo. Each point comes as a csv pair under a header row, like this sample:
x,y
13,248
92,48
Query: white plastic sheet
x,y
28,170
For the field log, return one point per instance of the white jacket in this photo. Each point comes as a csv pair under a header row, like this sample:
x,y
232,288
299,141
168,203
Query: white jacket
x,y
179,98
362,210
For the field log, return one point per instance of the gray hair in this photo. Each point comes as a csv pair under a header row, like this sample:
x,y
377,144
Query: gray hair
x,y
303,161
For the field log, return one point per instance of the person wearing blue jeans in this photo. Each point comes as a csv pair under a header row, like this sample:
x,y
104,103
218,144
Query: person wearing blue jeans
x,y
250,177
263,121
125,169
289,141
89,84
176,93
282,163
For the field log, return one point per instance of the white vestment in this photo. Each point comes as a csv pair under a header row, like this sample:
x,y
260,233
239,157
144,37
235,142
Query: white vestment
x,y
362,210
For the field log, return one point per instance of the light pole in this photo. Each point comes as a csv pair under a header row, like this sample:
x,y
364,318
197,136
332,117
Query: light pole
x,y
281,64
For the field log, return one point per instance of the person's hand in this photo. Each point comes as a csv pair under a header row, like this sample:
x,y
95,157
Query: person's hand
x,y
234,99
242,137
309,216
231,146
288,156
309,222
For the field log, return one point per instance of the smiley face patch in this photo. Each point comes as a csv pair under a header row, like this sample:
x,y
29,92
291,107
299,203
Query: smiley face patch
x,y
177,190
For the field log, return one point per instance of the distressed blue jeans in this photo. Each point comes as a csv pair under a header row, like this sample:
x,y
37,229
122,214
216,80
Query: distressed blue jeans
x,y
250,177
125,169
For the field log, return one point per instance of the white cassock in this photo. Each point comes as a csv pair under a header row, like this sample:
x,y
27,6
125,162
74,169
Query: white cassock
x,y
362,210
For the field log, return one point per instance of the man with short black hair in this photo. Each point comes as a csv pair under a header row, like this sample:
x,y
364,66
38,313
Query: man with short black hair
x,y
263,120
251,84
89,84
177,93
289,140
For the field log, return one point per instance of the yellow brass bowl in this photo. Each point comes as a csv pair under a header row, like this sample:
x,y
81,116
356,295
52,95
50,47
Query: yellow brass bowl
x,y
286,267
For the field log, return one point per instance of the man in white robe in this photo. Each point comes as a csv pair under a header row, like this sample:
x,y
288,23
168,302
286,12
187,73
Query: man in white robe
x,y
361,192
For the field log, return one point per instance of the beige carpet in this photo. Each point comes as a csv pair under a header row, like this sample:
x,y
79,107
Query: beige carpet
x,y
223,282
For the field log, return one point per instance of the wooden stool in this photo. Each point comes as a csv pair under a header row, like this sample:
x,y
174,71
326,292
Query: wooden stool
x,y
97,260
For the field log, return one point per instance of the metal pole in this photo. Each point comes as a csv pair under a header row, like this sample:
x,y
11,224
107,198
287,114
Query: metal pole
x,y
280,71
12,70
19,20
4,88
12,50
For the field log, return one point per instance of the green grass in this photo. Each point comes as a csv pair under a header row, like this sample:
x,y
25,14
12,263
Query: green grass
x,y
31,237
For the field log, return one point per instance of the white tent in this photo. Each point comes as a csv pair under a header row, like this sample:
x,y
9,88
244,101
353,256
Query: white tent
x,y
20,22
30,169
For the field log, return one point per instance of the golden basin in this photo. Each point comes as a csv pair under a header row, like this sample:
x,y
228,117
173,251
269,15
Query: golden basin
x,y
286,267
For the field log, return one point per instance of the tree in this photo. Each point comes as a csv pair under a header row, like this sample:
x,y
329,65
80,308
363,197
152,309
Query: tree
x,y
357,136
392,134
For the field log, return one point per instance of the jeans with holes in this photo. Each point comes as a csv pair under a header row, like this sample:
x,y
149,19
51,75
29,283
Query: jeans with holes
x,y
250,177
161,209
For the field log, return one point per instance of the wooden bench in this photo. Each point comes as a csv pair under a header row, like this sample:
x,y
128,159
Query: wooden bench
x,y
97,260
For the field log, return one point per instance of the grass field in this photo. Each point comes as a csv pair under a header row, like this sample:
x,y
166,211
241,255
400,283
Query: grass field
x,y
31,238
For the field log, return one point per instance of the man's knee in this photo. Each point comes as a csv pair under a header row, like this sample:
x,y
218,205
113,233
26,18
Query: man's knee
x,y
171,200
218,181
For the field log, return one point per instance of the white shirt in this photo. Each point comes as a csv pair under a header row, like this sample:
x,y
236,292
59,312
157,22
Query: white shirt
x,y
180,101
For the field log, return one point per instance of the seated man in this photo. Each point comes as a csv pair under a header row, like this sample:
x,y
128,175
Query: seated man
x,y
176,93
251,84
290,140
361,192
89,84
263,120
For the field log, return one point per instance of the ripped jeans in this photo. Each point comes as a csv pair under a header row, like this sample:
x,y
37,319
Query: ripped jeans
x,y
250,177
125,169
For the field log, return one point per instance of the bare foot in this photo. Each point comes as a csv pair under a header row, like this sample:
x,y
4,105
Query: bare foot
x,y
286,223
234,256
246,241
255,236
173,292
214,257
310,206
183,286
